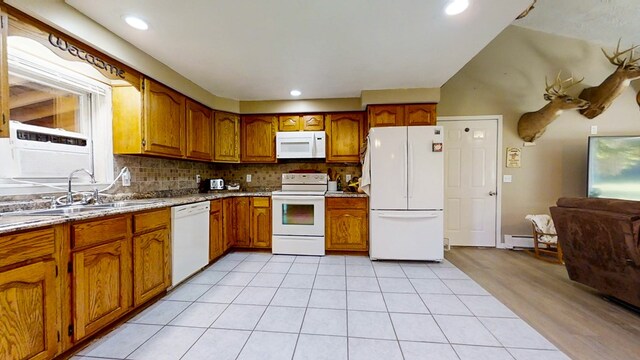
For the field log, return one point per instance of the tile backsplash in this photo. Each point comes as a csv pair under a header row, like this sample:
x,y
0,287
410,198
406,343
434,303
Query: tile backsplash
x,y
270,175
156,174
163,177
150,174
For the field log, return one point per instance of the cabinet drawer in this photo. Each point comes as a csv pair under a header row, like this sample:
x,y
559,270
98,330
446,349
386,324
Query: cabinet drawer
x,y
15,248
151,220
260,202
99,231
347,203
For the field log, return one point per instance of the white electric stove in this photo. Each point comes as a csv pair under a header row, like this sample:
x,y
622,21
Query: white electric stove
x,y
298,215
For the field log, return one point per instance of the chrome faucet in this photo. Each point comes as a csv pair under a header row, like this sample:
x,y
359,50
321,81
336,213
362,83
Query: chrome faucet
x,y
93,181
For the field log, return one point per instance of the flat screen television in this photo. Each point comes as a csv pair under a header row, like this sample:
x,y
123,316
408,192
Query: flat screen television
x,y
614,167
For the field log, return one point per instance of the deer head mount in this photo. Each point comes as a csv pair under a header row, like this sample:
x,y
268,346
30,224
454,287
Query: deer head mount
x,y
526,12
533,124
601,96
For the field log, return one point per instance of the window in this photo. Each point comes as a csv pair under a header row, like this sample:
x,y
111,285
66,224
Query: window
x,y
60,120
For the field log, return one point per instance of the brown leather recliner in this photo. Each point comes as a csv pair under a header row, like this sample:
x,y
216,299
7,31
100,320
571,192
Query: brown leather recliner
x,y
601,247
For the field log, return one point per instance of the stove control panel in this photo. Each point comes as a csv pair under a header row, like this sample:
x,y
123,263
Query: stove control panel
x,y
304,179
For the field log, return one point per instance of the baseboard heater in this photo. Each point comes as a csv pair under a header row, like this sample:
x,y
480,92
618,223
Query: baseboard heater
x,y
518,242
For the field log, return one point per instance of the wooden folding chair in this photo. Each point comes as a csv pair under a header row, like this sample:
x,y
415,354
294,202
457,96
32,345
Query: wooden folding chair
x,y
545,245
546,250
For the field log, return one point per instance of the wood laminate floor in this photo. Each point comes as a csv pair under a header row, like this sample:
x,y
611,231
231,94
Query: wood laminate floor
x,y
574,317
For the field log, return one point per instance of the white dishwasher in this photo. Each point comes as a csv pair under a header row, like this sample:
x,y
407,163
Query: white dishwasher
x,y
189,240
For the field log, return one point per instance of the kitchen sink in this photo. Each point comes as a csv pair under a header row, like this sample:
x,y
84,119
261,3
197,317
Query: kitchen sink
x,y
122,204
79,209
59,211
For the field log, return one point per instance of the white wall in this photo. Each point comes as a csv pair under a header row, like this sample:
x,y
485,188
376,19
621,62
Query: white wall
x,y
507,78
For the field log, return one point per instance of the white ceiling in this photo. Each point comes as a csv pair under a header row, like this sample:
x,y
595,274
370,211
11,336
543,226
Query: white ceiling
x,y
599,21
260,50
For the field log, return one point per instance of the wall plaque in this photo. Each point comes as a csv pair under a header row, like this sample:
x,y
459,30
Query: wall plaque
x,y
513,157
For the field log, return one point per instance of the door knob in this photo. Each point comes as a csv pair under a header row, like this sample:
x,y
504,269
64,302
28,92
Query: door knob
x,y
492,193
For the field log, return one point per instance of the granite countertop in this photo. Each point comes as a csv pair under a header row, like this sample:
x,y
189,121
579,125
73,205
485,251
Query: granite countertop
x,y
345,194
22,221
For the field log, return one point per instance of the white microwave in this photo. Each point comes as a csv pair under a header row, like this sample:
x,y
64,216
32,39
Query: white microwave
x,y
301,145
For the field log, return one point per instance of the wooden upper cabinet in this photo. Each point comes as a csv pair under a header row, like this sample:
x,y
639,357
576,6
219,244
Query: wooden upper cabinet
x,y
28,307
345,134
401,115
301,123
420,114
127,119
164,120
385,115
347,225
261,222
226,137
4,79
148,121
199,130
312,122
258,138
288,123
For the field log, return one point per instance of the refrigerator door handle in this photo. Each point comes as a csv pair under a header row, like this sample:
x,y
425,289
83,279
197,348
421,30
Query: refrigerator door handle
x,y
407,215
405,169
409,172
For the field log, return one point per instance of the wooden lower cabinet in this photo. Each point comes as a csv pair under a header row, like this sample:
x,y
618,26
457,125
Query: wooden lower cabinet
x,y
151,254
30,297
61,284
151,270
101,285
28,307
247,222
347,224
241,221
260,222
228,222
217,244
117,263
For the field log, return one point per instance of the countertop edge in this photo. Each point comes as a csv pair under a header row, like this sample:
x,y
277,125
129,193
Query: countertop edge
x,y
27,222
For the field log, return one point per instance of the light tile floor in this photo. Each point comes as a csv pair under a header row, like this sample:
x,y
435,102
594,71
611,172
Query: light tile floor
x,y
260,306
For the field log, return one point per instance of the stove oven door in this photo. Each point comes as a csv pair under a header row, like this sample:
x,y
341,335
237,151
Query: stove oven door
x,y
298,215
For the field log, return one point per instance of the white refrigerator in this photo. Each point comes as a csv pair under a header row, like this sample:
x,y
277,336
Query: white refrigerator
x,y
406,201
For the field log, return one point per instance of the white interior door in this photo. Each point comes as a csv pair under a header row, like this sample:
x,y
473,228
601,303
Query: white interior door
x,y
470,181
388,156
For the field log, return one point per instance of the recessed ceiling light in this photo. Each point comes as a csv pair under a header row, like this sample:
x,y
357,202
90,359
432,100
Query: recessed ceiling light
x,y
295,93
456,7
136,23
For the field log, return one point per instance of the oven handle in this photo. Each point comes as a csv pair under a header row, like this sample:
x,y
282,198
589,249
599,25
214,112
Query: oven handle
x,y
296,197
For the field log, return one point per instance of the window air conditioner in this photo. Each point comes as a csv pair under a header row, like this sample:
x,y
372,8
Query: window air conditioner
x,y
35,152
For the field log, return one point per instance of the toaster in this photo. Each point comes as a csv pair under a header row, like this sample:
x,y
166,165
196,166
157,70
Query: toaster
x,y
211,184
